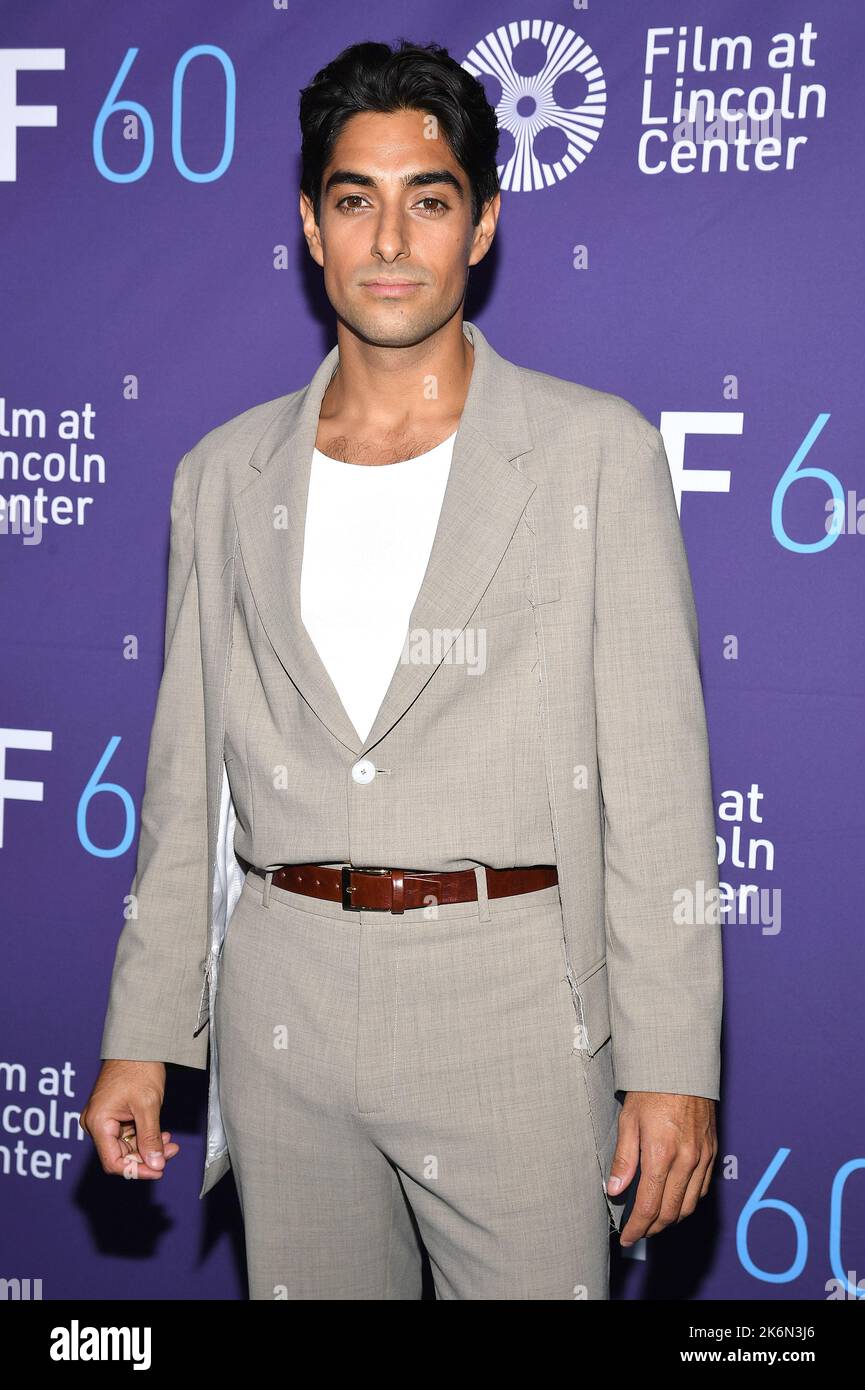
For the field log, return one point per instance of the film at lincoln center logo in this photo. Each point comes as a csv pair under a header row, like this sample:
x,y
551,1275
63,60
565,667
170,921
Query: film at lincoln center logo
x,y
550,99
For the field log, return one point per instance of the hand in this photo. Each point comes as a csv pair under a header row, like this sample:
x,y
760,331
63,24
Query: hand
x,y
126,1099
675,1141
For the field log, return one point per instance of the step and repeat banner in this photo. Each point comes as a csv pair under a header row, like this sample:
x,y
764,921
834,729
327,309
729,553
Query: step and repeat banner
x,y
682,225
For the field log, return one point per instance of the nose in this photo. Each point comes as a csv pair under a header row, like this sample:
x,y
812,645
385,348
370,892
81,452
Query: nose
x,y
390,240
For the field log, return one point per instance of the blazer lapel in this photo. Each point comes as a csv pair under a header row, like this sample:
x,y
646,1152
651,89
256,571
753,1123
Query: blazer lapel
x,y
484,499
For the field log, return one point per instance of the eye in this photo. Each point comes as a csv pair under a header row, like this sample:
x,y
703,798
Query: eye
x,y
430,199
348,197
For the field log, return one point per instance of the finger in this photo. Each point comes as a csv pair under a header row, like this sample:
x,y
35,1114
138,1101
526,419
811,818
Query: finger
x,y
693,1192
709,1171
682,1170
626,1157
105,1131
169,1147
650,1192
148,1133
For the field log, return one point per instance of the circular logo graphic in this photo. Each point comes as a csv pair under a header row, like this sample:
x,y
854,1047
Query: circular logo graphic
x,y
550,99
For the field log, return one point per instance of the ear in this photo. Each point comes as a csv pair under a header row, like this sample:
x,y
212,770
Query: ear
x,y
310,229
486,229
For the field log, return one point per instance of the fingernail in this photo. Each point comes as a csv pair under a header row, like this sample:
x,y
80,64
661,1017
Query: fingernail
x,y
614,1184
156,1160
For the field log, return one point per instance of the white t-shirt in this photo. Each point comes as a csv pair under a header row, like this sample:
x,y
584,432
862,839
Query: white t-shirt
x,y
367,540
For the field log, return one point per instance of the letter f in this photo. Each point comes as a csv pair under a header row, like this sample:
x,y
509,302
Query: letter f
x,y
13,61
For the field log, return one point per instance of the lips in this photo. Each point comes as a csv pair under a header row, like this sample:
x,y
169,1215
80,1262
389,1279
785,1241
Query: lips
x,y
391,288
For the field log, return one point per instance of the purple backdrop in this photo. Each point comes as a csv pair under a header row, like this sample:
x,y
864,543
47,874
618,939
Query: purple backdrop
x,y
156,283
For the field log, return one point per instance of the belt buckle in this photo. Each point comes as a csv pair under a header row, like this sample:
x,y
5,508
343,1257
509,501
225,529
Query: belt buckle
x,y
348,869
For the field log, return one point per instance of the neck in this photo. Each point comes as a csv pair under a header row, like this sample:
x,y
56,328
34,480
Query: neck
x,y
378,391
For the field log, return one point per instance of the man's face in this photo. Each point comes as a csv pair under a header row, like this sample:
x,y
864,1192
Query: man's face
x,y
395,208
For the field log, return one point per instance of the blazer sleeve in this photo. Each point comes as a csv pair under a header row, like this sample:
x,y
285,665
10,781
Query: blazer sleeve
x,y
160,958
662,919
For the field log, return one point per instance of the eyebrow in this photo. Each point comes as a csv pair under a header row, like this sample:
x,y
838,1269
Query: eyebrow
x,y
419,180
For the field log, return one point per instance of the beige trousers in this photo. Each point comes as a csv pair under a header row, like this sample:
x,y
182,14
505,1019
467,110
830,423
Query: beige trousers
x,y
387,1080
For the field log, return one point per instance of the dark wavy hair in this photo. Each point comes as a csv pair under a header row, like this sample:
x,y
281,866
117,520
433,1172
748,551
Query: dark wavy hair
x,y
410,76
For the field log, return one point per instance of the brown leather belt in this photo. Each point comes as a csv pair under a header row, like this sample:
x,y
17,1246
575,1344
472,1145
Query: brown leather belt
x,y
394,890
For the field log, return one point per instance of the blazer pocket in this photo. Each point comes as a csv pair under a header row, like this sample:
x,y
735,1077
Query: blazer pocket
x,y
510,598
547,591
592,1005
515,597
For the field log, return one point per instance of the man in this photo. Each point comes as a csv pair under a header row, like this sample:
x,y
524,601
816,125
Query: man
x,y
428,786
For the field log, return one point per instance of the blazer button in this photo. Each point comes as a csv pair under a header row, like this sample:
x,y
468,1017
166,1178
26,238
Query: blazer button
x,y
364,771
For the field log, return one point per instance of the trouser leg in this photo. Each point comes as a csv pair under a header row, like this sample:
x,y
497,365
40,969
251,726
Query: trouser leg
x,y
324,1212
467,1079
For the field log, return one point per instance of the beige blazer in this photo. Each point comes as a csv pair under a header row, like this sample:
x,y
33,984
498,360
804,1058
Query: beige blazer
x,y
582,742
